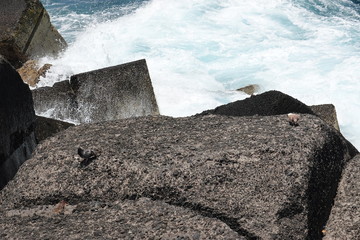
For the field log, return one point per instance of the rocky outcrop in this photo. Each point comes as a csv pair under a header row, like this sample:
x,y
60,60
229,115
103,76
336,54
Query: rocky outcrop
x,y
273,103
265,104
17,119
117,92
245,177
26,32
31,72
344,221
327,112
47,127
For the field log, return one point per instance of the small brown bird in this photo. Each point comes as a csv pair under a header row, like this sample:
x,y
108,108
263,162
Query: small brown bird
x,y
293,119
60,207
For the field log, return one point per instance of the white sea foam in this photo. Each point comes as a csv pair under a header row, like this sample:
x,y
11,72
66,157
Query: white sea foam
x,y
199,51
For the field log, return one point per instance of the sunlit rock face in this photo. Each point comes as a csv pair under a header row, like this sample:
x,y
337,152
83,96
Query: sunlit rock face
x,y
26,32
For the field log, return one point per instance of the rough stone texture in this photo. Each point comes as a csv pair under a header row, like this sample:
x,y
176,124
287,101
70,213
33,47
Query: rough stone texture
x,y
250,89
26,31
344,221
265,104
47,127
274,103
17,118
258,175
58,101
138,219
327,112
31,72
112,93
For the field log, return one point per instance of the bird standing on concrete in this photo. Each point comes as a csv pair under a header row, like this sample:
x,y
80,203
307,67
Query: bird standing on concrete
x,y
294,119
88,156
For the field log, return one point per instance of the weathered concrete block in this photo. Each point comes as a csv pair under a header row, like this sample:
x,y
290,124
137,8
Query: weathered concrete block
x,y
138,219
274,103
17,122
265,104
344,221
47,127
26,31
327,112
117,92
259,176
58,101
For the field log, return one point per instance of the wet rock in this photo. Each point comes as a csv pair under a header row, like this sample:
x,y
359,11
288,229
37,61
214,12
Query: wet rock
x,y
30,72
58,101
47,127
344,221
26,32
259,176
265,104
17,122
327,112
117,92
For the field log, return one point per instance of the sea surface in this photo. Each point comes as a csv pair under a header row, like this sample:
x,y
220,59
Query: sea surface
x,y
199,51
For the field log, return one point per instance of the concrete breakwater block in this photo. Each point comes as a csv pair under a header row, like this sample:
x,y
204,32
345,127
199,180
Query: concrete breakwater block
x,y
274,103
26,31
327,112
111,93
265,104
344,220
47,127
17,120
204,177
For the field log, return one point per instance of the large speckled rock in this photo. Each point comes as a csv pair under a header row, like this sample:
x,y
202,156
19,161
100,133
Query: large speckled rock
x,y
344,221
259,176
129,219
26,31
17,122
111,93
327,112
47,127
273,103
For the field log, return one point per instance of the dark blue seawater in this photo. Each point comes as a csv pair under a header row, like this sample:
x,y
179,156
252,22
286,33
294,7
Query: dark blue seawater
x,y
87,6
332,8
71,16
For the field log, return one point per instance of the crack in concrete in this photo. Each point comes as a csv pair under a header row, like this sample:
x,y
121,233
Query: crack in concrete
x,y
204,211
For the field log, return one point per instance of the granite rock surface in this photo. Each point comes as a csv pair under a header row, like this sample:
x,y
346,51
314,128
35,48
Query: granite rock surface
x,y
251,177
344,221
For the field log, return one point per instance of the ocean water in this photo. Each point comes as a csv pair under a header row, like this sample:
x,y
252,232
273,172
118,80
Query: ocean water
x,y
199,51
